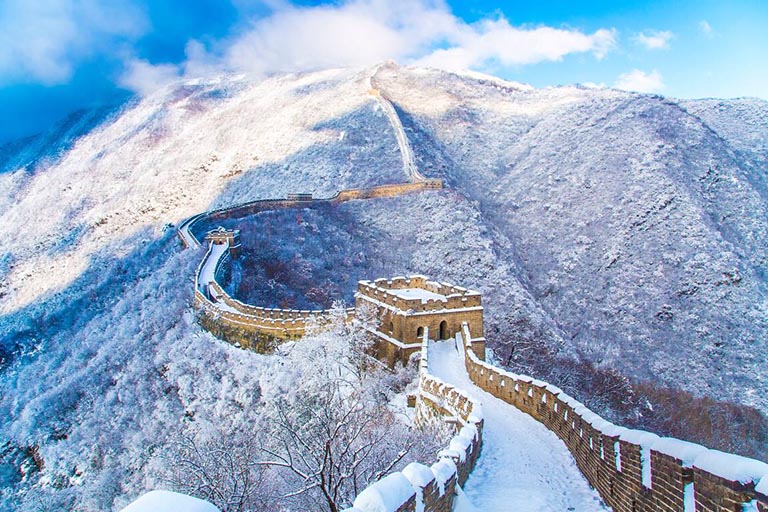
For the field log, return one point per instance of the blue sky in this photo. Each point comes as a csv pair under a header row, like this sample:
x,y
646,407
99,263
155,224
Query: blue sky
x,y
60,55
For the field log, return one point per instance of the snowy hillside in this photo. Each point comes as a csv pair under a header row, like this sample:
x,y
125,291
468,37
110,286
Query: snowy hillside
x,y
637,228
626,231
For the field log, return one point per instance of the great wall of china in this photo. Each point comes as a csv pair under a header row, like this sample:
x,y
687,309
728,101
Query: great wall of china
x,y
632,470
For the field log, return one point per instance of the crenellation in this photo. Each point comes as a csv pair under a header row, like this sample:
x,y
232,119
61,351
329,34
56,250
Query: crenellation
x,y
594,442
612,463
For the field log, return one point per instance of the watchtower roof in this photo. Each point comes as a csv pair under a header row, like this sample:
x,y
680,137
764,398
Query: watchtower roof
x,y
417,293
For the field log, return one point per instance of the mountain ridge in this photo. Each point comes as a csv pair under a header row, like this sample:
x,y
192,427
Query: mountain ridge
x,y
578,220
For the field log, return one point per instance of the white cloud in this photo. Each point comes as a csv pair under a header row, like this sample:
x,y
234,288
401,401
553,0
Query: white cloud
x,y
424,32
640,81
44,40
706,28
654,39
497,42
142,77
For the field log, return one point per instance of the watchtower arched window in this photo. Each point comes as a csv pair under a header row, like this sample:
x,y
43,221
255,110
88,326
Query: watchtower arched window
x,y
420,332
391,327
443,330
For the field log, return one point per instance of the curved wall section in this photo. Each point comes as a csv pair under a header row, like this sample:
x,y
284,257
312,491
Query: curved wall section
x,y
633,470
256,327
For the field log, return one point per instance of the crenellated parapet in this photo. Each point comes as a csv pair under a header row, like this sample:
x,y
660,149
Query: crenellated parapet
x,y
241,324
406,307
402,293
431,488
633,470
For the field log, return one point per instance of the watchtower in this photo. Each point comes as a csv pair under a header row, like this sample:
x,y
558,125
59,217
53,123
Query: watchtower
x,y
222,235
406,307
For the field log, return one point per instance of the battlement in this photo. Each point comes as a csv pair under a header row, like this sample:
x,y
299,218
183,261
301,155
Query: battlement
x,y
299,197
407,307
220,236
417,294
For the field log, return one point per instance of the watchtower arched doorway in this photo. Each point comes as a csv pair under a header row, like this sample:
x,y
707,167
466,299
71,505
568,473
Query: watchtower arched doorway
x,y
443,330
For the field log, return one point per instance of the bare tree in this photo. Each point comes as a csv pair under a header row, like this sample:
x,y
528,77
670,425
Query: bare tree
x,y
325,432
331,444
221,470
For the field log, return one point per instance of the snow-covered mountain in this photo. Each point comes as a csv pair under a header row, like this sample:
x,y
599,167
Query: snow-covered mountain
x,y
624,230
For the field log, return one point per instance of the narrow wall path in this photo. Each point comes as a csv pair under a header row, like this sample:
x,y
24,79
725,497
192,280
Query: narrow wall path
x,y
523,467
406,152
208,271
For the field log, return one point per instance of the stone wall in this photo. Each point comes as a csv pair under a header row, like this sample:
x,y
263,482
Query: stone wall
x,y
260,332
257,327
247,326
405,318
431,489
633,470
386,190
186,228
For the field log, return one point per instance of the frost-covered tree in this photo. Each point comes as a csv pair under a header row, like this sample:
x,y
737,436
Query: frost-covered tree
x,y
326,430
221,470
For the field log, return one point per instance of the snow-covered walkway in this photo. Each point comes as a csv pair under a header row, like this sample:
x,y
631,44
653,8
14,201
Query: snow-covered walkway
x,y
523,466
207,273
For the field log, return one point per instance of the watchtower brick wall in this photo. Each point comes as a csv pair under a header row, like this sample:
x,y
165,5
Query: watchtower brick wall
x,y
220,236
404,313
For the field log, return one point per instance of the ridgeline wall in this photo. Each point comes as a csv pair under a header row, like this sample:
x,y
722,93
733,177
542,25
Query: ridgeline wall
x,y
633,470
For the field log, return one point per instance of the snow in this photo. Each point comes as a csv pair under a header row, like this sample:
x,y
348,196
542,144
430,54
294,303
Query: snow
x,y
461,503
444,470
762,486
208,272
167,501
416,293
386,495
418,474
689,498
731,467
483,77
521,462
682,450
544,184
460,444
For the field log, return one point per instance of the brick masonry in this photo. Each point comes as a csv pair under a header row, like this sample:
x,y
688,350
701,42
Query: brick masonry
x,y
618,477
614,460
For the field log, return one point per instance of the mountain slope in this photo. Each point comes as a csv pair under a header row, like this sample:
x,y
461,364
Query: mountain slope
x,y
637,227
626,230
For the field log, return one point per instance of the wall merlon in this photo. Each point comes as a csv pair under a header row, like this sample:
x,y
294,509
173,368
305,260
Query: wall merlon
x,y
672,462
720,481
